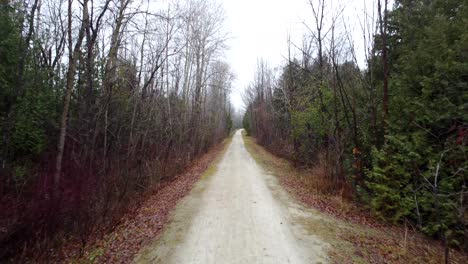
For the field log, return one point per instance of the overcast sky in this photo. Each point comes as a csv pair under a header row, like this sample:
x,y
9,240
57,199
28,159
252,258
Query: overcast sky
x,y
259,29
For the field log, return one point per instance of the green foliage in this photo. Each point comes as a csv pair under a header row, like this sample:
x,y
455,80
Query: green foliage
x,y
229,123
391,179
310,125
246,122
9,54
419,172
33,113
27,108
410,166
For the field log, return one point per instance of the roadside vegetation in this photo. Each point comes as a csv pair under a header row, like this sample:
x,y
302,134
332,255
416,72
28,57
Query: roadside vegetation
x,y
142,225
391,135
354,234
103,102
100,101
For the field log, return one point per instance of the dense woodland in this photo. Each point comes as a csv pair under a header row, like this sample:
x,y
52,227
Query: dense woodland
x,y
392,134
101,100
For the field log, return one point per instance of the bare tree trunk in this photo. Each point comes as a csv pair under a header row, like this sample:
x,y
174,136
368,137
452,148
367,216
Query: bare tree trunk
x,y
319,15
73,58
110,73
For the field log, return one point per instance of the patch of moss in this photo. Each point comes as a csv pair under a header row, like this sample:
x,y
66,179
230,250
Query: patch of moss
x,y
95,254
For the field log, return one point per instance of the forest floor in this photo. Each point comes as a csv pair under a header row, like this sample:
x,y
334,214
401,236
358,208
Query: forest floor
x,y
353,234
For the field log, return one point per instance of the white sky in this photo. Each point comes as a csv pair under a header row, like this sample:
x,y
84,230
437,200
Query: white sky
x,y
259,29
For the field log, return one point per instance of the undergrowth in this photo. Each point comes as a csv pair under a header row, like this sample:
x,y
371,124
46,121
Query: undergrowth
x,y
354,234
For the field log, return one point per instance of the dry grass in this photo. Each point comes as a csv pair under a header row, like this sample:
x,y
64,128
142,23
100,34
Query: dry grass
x,y
355,235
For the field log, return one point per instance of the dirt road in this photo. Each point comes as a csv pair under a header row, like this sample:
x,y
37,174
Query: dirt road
x,y
237,213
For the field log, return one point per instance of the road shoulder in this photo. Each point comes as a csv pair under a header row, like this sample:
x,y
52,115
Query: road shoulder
x,y
141,227
182,212
354,235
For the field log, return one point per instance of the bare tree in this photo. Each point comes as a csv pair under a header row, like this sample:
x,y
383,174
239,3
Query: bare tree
x,y
73,54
